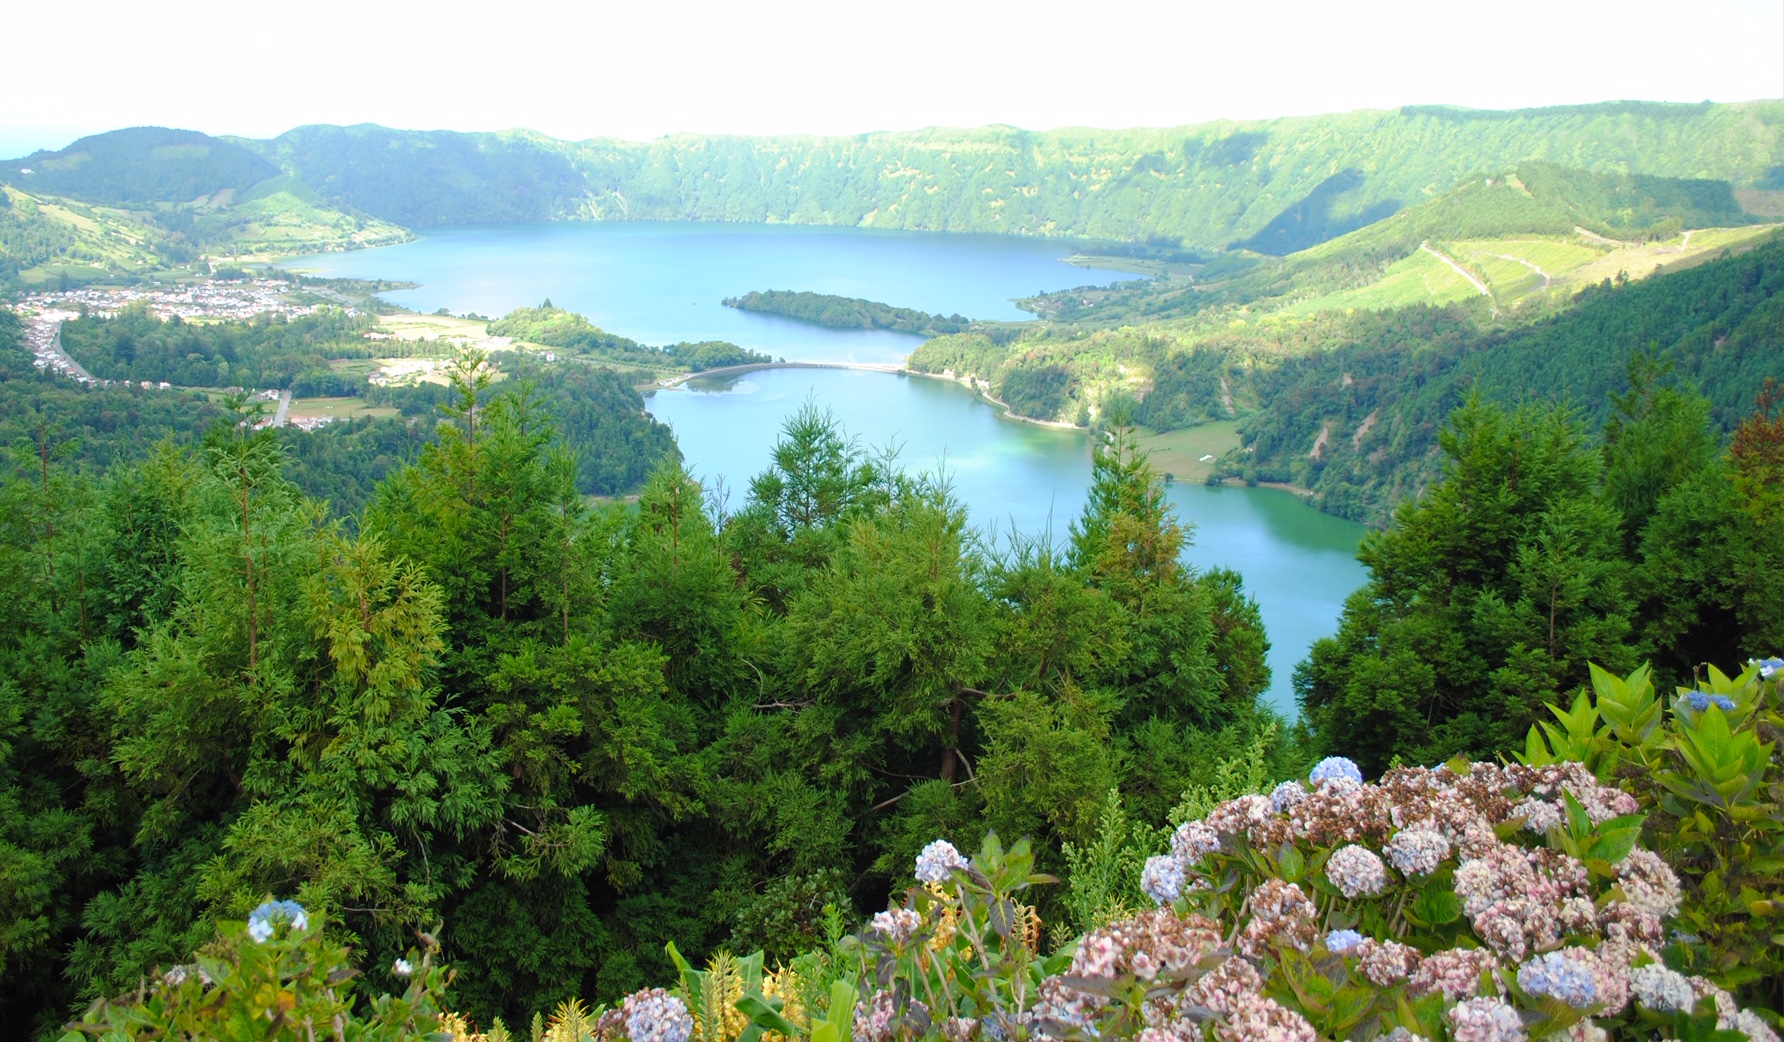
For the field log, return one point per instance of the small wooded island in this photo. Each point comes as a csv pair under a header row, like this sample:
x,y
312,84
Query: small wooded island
x,y
846,312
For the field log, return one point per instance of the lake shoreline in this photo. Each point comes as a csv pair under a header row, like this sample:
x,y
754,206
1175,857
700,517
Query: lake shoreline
x,y
1003,407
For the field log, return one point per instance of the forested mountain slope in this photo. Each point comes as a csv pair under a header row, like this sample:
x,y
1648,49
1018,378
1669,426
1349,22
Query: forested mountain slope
x,y
140,165
427,178
1269,187
1357,424
1274,186
145,198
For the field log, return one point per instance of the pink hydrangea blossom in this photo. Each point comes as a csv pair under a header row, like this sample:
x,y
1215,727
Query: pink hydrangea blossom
x,y
1417,851
1357,871
1486,1020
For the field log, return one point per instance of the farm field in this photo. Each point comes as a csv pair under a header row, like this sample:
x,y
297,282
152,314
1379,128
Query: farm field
x,y
1179,453
336,409
1517,269
1418,279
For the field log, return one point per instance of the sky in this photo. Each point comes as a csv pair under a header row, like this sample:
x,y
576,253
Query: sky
x,y
641,70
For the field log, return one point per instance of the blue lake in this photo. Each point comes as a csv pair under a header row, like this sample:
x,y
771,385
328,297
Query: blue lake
x,y
662,283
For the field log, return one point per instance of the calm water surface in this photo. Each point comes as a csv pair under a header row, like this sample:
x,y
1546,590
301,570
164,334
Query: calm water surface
x,y
662,282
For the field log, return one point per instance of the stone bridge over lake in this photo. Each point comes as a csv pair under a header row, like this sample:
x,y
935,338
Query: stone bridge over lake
x,y
871,367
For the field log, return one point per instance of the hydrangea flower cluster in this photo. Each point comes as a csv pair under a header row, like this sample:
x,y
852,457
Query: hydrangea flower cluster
x,y
1365,885
263,920
1768,667
1193,841
1357,871
1385,963
1486,1020
1534,914
1336,768
1417,851
1162,878
1662,990
1189,979
1560,976
897,925
1702,700
1539,816
938,861
654,1015
1281,916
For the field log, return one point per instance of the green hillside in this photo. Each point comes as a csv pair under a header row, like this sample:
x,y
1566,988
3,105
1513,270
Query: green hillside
x,y
426,178
1271,187
1504,236
44,238
1357,423
140,165
1275,186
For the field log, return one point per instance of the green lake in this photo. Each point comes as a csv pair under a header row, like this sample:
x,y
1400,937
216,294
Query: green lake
x,y
662,282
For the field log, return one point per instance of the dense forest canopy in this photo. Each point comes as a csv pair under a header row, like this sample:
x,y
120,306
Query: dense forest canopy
x,y
572,733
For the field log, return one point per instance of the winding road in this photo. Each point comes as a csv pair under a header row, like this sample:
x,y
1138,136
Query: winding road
x,y
1464,272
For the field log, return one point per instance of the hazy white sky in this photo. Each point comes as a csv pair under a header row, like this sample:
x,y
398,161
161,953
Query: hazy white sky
x,y
639,70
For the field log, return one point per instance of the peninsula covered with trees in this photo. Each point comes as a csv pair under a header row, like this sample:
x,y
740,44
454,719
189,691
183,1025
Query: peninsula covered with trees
x,y
836,312
555,327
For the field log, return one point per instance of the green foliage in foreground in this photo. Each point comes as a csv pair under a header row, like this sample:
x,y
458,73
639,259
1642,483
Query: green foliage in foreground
x,y
1705,771
1535,554
555,327
571,734
836,312
1463,902
295,984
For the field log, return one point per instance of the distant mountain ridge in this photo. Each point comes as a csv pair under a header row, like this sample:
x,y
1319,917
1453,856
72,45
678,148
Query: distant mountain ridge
x,y
140,165
1207,186
1272,186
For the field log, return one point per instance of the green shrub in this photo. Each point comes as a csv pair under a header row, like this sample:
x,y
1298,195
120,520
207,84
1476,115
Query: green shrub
x,y
274,978
1708,782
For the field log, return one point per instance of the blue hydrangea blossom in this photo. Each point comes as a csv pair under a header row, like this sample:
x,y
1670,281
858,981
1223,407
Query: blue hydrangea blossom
x,y
1559,976
1336,768
262,920
1702,700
